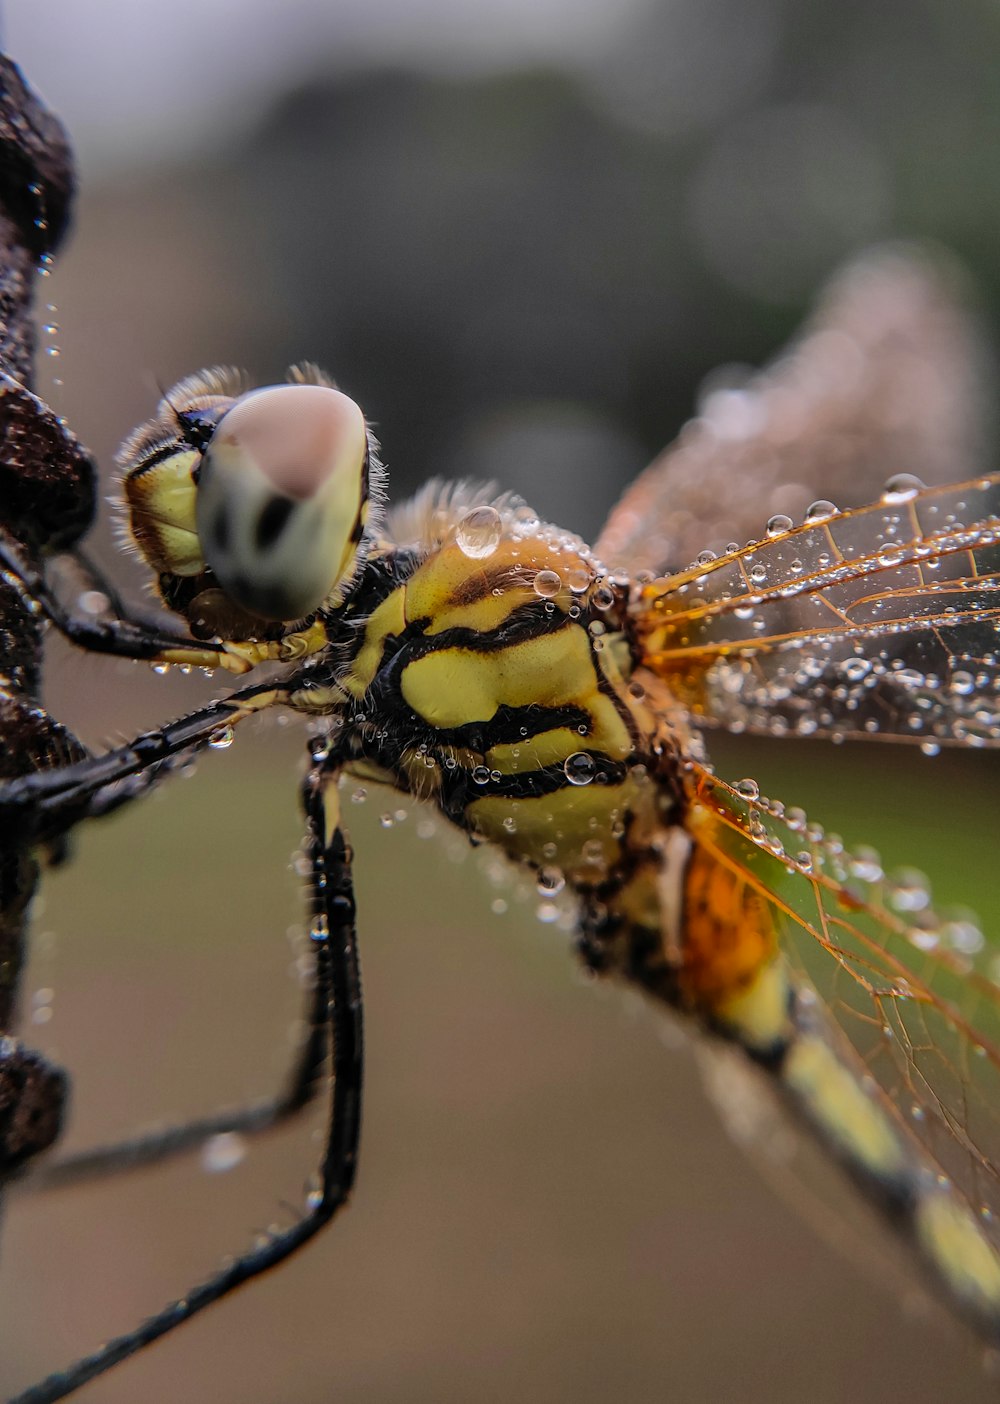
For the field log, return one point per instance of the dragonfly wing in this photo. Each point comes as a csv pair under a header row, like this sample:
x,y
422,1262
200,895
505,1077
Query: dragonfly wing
x,y
894,1052
881,621
885,378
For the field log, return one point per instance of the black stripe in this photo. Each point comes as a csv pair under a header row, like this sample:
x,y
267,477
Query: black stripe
x,y
511,725
158,456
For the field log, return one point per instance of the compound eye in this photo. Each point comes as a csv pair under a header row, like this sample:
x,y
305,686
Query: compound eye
x,y
282,498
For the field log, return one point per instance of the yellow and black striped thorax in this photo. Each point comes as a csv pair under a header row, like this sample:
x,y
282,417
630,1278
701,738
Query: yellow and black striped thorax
x,y
491,674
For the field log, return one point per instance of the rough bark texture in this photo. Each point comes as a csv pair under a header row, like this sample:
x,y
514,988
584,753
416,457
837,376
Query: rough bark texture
x,y
46,502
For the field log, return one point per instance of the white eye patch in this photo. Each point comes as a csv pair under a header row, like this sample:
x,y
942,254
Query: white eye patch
x,y
280,498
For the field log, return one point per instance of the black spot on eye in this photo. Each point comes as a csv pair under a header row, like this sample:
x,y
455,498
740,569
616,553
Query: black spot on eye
x,y
271,522
220,528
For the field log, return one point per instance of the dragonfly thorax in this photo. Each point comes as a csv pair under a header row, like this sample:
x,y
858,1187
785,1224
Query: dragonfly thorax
x,y
498,687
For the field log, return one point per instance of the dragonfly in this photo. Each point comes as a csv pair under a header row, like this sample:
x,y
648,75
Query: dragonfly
x,y
556,702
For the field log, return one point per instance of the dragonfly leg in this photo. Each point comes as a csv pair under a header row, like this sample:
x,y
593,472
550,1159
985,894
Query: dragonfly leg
x,y
332,911
155,1146
121,637
53,799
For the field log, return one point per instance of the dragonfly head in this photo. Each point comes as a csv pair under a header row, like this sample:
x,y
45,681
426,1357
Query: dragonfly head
x,y
251,505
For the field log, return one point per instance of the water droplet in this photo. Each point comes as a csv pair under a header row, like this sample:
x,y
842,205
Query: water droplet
x,y
965,936
320,929
579,768
820,511
223,1152
93,602
547,584
854,669
551,881
319,747
910,893
779,524
359,795
901,487
222,739
603,597
479,532
748,789
480,775
758,574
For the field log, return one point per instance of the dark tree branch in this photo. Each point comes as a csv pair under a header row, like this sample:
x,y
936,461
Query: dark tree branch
x,y
47,498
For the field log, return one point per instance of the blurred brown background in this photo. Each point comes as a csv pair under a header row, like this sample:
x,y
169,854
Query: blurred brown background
x,y
521,240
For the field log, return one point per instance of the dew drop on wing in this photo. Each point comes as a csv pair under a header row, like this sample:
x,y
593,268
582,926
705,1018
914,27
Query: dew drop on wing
x,y
820,511
901,487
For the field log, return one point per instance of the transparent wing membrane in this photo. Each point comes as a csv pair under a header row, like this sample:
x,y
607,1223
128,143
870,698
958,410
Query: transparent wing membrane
x,y
882,621
886,378
911,989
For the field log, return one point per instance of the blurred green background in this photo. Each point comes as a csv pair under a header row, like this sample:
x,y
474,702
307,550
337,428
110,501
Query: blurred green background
x,y
521,240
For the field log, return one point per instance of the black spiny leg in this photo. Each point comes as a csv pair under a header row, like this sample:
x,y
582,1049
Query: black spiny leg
x,y
338,977
121,637
168,1142
52,800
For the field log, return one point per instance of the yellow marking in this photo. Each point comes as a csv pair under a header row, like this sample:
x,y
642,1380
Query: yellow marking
x,y
317,700
202,658
758,1015
835,1101
581,823
453,591
639,903
161,504
954,1241
370,773
534,752
388,619
455,685
302,644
